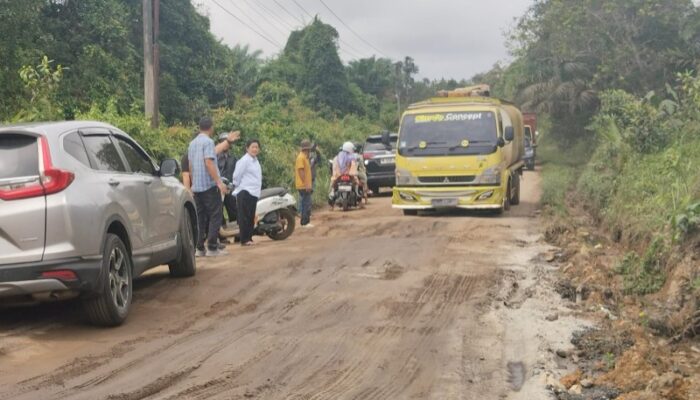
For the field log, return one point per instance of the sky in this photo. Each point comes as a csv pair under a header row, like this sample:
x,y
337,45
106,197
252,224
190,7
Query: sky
x,y
446,38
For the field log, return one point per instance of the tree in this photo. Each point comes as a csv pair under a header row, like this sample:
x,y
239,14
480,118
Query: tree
x,y
373,75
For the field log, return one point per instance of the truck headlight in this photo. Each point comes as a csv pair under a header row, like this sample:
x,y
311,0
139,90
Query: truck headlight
x,y
491,176
404,177
407,197
485,195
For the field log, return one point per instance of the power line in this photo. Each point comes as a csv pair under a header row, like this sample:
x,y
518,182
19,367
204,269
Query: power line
x,y
252,20
274,14
351,30
302,9
350,51
279,47
287,11
274,25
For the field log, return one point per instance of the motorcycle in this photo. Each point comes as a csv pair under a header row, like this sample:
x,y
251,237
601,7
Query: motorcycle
x,y
274,214
346,193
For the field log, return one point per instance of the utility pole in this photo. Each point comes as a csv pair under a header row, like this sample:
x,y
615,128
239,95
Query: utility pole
x,y
151,65
398,78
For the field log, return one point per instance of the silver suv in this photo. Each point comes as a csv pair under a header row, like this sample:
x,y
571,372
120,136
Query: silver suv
x,y
84,210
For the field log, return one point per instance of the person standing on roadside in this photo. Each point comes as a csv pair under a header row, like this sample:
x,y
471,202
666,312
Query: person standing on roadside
x,y
207,188
247,179
303,181
315,160
222,147
227,164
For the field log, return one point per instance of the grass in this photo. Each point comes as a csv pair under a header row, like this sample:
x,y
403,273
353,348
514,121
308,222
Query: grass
x,y
645,274
560,168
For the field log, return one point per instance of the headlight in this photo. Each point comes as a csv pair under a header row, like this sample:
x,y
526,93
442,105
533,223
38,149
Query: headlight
x,y
404,177
491,176
407,197
485,195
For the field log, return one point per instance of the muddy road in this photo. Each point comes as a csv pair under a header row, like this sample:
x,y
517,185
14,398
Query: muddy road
x,y
367,305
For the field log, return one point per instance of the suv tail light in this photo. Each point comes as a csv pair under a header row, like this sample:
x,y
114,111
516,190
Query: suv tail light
x,y
368,156
60,274
51,180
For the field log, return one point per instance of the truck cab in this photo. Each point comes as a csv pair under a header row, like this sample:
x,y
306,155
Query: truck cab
x,y
459,151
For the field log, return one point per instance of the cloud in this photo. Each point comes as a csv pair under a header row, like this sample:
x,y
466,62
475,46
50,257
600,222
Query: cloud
x,y
447,38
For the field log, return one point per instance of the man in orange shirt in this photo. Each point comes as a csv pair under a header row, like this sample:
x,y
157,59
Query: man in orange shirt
x,y
304,183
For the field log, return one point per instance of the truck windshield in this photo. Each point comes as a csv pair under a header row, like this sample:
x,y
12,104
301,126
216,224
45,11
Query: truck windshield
x,y
451,133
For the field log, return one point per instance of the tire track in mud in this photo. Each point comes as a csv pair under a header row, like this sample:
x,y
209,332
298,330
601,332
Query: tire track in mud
x,y
82,367
441,290
456,295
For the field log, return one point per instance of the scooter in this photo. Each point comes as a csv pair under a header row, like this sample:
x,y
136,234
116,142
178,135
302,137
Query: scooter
x,y
346,193
274,214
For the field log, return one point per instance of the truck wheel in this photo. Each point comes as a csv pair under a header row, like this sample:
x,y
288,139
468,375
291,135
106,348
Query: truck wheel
x,y
185,264
111,305
286,218
506,201
516,190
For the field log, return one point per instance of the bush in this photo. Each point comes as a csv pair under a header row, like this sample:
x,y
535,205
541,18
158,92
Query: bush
x,y
161,143
644,275
280,121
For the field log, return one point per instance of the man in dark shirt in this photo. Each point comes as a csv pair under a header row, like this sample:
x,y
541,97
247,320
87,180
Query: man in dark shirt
x,y
227,164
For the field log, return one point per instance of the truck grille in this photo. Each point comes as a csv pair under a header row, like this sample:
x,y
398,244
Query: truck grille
x,y
446,180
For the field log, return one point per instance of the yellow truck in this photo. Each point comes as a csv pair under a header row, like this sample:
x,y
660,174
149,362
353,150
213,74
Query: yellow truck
x,y
462,149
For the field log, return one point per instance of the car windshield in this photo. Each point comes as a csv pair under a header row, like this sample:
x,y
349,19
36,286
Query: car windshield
x,y
372,146
452,133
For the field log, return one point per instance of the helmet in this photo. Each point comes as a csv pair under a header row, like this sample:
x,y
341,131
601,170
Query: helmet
x,y
349,147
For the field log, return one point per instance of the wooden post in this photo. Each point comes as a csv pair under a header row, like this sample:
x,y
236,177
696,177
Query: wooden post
x,y
150,77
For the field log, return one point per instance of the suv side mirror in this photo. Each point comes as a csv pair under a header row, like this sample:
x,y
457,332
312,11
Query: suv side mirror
x,y
169,167
509,133
501,142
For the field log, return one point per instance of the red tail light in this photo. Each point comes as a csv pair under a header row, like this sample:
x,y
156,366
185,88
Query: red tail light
x,y
367,156
345,178
52,180
61,274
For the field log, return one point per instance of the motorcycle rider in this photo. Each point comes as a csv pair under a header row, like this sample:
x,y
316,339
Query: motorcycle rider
x,y
361,173
345,163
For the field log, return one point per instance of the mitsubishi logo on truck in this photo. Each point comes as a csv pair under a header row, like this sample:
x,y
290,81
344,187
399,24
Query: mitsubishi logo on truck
x,y
447,180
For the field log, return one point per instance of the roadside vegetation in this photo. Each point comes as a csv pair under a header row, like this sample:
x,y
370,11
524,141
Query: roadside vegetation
x,y
619,86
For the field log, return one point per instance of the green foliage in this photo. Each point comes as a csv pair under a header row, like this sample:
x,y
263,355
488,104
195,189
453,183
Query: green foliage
x,y
687,222
644,172
644,275
41,84
280,120
375,76
99,42
161,143
311,65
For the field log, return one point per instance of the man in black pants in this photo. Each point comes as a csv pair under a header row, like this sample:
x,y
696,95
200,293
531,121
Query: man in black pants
x,y
227,164
207,188
247,179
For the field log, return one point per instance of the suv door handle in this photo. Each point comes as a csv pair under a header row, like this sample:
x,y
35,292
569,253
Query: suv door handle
x,y
113,182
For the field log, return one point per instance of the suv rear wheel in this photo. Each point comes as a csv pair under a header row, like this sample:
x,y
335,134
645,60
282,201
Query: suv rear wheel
x,y
111,306
185,264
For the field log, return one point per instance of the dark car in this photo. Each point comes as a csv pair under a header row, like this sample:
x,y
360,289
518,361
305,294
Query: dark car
x,y
379,154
